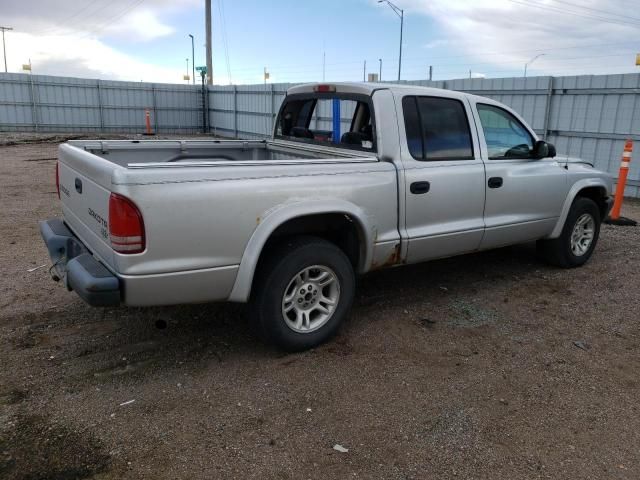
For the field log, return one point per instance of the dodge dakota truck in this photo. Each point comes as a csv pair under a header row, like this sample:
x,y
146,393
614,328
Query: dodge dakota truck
x,y
287,224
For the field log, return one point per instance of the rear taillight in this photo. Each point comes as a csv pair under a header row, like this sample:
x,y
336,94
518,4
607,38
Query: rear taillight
x,y
126,228
58,178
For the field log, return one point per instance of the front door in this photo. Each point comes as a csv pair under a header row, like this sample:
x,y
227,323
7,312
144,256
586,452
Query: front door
x,y
524,195
444,178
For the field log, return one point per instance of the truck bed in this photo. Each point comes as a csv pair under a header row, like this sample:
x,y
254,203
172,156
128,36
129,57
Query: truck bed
x,y
202,202
154,153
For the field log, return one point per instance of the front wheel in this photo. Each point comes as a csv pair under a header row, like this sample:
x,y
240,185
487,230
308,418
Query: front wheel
x,y
302,293
578,239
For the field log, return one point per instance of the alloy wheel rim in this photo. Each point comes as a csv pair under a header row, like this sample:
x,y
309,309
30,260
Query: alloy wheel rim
x,y
310,299
582,234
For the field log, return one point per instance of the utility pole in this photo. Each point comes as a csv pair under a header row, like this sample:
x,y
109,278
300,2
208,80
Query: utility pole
x,y
400,12
193,61
364,72
430,72
209,47
380,70
4,46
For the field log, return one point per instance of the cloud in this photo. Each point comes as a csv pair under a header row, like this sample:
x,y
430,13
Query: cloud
x,y
142,25
83,57
438,42
67,37
139,19
500,36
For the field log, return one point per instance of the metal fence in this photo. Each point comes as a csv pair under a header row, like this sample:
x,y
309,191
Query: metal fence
x,y
40,103
587,116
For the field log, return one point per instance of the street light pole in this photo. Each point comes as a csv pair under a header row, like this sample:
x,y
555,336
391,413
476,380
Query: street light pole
x,y
400,12
4,46
380,70
530,62
193,61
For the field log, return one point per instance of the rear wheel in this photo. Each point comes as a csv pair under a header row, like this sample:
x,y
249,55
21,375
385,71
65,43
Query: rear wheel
x,y
302,293
579,236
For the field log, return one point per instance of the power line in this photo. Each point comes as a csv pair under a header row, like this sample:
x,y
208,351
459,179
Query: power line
x,y
606,12
110,20
86,7
576,14
530,3
70,25
57,31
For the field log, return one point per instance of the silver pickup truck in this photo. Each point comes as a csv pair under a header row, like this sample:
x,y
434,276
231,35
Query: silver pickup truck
x,y
286,224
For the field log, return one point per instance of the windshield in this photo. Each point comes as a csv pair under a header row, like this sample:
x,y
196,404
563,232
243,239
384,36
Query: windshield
x,y
331,120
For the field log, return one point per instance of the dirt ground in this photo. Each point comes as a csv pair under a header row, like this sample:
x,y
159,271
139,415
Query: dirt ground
x,y
491,365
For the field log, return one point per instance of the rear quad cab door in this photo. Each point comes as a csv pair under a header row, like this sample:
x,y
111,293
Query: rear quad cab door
x,y
444,176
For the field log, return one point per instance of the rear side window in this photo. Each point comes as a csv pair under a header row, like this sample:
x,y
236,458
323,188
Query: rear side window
x,y
437,128
412,127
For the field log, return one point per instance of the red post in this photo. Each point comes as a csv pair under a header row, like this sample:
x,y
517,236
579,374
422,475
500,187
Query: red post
x,y
622,179
147,116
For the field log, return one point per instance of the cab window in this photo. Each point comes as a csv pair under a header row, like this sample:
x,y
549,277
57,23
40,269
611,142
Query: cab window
x,y
311,120
506,137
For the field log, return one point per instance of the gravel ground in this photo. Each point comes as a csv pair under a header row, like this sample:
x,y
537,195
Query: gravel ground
x,y
491,365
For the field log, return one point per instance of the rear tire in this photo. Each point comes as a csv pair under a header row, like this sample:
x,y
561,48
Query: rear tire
x,y
578,239
303,291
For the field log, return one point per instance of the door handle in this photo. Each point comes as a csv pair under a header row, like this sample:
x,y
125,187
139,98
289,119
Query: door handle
x,y
78,183
419,188
495,182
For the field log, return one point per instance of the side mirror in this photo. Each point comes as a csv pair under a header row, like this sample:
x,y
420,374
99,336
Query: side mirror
x,y
543,149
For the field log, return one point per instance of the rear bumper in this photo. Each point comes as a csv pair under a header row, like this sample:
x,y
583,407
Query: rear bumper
x,y
77,268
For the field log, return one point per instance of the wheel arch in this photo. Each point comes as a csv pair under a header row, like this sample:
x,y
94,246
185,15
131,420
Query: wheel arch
x,y
294,219
593,188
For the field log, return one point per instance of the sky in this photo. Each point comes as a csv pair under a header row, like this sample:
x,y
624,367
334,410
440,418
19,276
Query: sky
x,y
147,40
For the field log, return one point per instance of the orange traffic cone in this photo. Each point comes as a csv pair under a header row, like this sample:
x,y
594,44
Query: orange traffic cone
x,y
147,118
615,217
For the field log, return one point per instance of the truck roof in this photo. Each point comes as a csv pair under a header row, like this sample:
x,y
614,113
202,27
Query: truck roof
x,y
367,88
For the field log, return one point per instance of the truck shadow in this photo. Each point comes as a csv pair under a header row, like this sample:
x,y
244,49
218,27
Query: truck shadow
x,y
105,344
466,273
